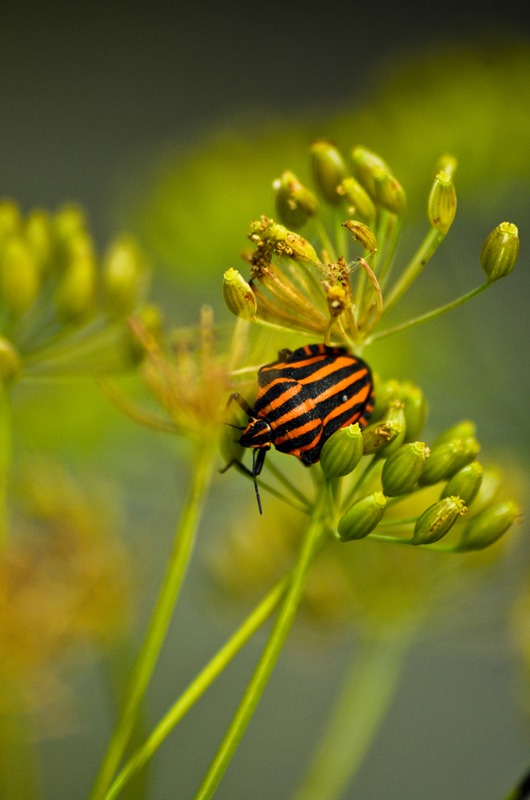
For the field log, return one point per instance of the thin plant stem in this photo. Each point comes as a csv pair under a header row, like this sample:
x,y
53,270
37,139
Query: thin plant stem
x,y
428,247
430,315
198,686
315,535
160,619
358,712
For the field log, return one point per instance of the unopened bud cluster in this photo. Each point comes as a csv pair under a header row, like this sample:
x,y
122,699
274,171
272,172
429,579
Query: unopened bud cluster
x,y
336,286
55,289
405,466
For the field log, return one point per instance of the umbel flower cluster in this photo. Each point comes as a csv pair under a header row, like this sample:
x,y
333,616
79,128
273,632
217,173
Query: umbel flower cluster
x,y
319,287
62,308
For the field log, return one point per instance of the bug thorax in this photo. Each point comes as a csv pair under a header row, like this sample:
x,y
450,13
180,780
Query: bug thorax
x,y
258,433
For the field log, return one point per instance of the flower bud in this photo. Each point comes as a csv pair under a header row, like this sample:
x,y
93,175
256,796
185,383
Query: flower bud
x,y
415,410
447,164
361,233
489,488
76,290
396,416
379,435
38,236
19,276
359,201
385,393
10,219
124,276
465,483
365,164
389,193
342,452
295,203
447,458
69,221
500,251
337,298
441,207
10,361
329,170
464,429
489,525
403,468
282,240
238,295
437,520
362,517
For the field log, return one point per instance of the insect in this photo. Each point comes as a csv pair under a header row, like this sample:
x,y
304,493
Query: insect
x,y
303,397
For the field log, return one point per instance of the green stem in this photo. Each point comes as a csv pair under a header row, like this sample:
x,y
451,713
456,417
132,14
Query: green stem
x,y
160,619
359,710
326,242
428,247
313,540
437,312
198,686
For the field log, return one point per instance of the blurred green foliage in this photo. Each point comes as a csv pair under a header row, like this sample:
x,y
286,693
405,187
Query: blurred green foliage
x,y
194,213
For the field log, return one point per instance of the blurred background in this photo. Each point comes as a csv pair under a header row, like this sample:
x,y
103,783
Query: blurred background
x,y
172,123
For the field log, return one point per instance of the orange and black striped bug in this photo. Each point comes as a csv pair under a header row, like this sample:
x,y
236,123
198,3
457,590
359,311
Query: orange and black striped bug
x,y
303,397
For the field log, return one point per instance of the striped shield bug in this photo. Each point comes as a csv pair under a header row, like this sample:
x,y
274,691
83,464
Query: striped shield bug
x,y
303,397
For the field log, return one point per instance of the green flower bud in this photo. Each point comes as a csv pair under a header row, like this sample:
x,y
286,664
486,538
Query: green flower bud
x,y
489,488
358,200
10,219
415,410
10,361
465,483
38,236
76,290
379,435
295,203
489,525
464,429
124,276
437,520
389,193
365,165
447,458
238,295
500,251
362,517
69,221
19,276
361,233
385,393
342,452
283,241
329,170
403,468
447,164
299,248
396,417
441,207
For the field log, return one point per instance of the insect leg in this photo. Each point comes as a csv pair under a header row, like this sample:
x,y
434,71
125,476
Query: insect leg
x,y
235,397
258,459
